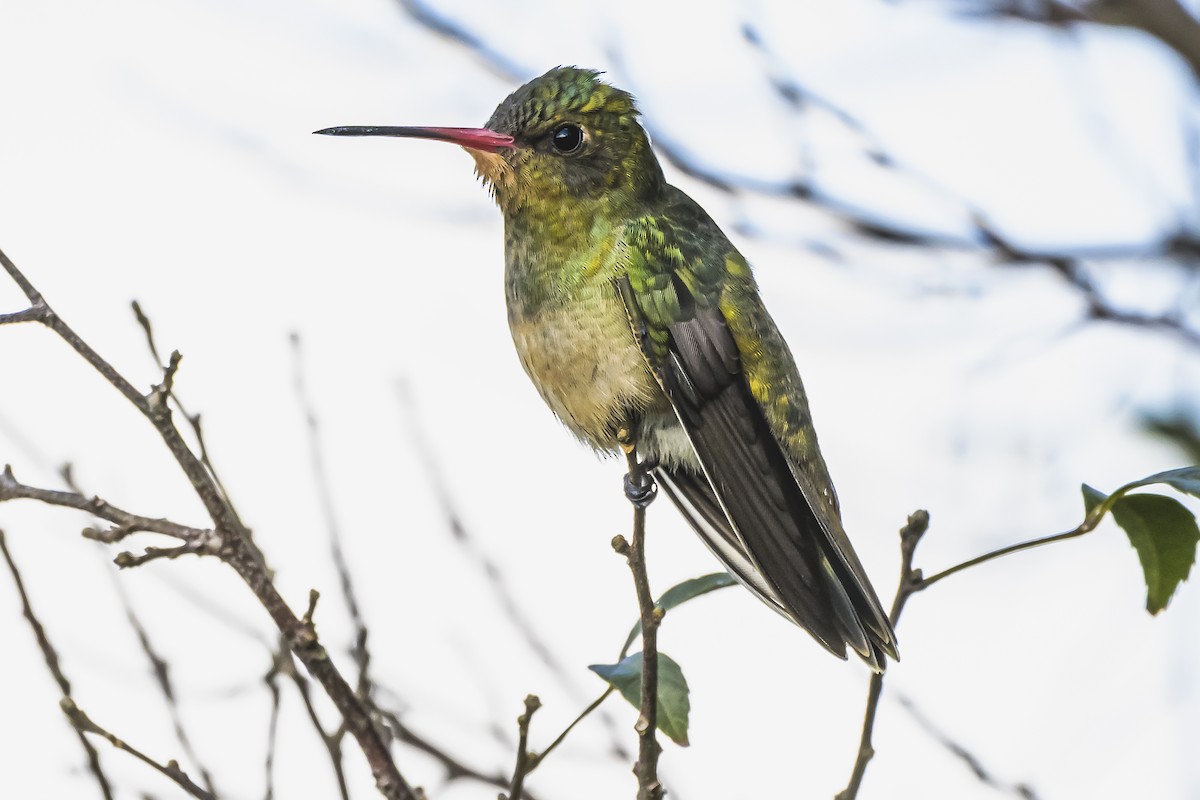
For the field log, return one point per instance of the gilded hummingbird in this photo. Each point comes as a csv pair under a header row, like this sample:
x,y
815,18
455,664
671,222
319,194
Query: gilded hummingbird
x,y
632,311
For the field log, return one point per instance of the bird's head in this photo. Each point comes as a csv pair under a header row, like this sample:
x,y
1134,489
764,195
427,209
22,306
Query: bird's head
x,y
565,136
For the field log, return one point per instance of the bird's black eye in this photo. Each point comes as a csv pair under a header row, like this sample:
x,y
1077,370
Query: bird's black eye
x,y
567,139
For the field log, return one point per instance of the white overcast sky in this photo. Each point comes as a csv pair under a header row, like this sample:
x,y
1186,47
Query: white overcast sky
x,y
162,151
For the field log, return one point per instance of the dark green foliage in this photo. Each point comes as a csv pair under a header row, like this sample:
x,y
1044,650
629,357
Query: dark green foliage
x,y
673,703
681,593
1161,529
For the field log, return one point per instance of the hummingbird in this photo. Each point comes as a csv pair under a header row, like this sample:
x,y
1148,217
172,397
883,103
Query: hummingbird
x,y
635,317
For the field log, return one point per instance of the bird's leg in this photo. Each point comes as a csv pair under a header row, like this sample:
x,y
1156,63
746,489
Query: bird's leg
x,y
640,487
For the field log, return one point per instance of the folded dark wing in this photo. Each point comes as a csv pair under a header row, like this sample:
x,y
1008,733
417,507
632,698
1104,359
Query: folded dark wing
x,y
754,509
797,566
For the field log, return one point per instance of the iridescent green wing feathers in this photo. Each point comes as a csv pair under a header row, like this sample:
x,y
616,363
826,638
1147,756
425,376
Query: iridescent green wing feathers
x,y
722,365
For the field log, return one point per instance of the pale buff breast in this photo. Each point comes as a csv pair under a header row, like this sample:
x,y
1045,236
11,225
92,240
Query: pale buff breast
x,y
585,362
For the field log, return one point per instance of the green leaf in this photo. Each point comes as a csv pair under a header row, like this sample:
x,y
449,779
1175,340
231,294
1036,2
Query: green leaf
x,y
1164,533
682,592
1092,498
673,703
1186,480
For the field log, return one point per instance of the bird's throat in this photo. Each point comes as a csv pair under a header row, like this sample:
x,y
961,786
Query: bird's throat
x,y
494,170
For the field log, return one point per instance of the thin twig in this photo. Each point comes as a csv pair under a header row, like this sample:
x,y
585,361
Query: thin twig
x,y
446,28
331,741
158,664
1087,526
237,549
362,656
491,571
455,769
911,582
1022,790
524,763
171,769
52,663
127,523
537,758
463,537
640,490
271,679
910,537
193,419
162,677
366,686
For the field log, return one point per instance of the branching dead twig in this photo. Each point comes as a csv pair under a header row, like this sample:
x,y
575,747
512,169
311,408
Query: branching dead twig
x,y
463,537
913,581
162,677
158,665
366,688
524,762
491,571
52,664
910,537
535,759
171,769
1166,20
80,721
193,419
455,769
271,679
231,539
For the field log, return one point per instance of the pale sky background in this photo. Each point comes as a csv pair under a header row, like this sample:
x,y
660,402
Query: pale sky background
x,y
162,151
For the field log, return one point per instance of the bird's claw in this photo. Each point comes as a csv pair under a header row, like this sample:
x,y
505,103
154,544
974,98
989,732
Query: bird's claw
x,y
640,490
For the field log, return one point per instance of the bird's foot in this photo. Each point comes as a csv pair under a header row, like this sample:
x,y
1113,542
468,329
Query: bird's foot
x,y
625,440
640,488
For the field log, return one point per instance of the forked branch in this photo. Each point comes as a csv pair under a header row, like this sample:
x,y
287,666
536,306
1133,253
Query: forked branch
x,y
228,539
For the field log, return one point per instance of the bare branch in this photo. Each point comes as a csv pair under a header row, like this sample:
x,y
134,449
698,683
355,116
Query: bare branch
x,y
193,419
537,758
1022,790
52,663
455,769
171,769
332,741
911,582
446,28
127,523
159,666
1166,20
524,762
640,489
32,314
237,549
272,681
162,677
366,687
161,391
910,537
359,651
126,560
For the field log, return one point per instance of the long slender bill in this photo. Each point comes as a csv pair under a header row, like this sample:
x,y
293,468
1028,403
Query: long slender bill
x,y
473,138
